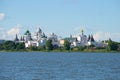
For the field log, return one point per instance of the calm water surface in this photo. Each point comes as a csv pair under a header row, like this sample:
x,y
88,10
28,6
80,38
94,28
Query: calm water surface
x,y
59,66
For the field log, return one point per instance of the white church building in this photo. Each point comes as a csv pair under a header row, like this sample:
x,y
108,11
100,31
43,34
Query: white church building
x,y
39,39
84,40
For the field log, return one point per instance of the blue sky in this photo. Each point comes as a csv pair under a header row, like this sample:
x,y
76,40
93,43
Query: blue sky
x,y
63,17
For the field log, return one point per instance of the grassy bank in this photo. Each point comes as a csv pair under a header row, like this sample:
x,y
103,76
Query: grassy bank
x,y
60,50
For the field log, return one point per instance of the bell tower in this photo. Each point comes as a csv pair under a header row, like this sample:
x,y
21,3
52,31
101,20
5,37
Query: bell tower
x,y
82,32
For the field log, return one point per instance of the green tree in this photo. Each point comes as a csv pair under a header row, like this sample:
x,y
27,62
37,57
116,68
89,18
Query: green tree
x,y
9,45
20,46
33,48
81,48
1,47
112,45
66,45
42,48
49,45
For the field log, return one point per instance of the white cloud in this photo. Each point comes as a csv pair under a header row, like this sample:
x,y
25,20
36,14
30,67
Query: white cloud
x,y
10,34
15,30
106,35
2,15
100,35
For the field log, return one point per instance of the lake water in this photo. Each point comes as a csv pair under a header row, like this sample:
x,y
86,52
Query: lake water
x,y
59,66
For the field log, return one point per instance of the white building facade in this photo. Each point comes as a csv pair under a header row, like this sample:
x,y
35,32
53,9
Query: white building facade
x,y
39,39
83,40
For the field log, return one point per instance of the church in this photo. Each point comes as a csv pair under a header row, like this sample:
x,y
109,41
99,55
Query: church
x,y
84,40
39,39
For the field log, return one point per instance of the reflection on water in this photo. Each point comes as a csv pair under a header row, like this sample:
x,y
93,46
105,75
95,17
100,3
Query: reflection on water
x,y
59,66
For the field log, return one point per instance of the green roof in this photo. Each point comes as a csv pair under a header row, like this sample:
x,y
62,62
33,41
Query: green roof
x,y
27,32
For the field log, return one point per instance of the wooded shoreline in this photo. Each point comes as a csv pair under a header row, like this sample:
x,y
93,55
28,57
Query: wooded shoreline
x,y
11,46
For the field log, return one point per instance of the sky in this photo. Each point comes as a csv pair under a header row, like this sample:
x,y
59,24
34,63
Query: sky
x,y
101,18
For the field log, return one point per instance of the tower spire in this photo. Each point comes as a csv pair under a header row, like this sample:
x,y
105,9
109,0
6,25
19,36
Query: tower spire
x,y
16,38
82,31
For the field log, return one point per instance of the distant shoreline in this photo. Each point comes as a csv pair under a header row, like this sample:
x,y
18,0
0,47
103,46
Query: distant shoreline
x,y
93,51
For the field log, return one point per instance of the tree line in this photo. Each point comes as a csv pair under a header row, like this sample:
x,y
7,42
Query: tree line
x,y
10,45
13,46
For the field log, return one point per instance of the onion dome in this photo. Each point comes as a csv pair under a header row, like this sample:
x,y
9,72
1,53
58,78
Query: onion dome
x,y
27,32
